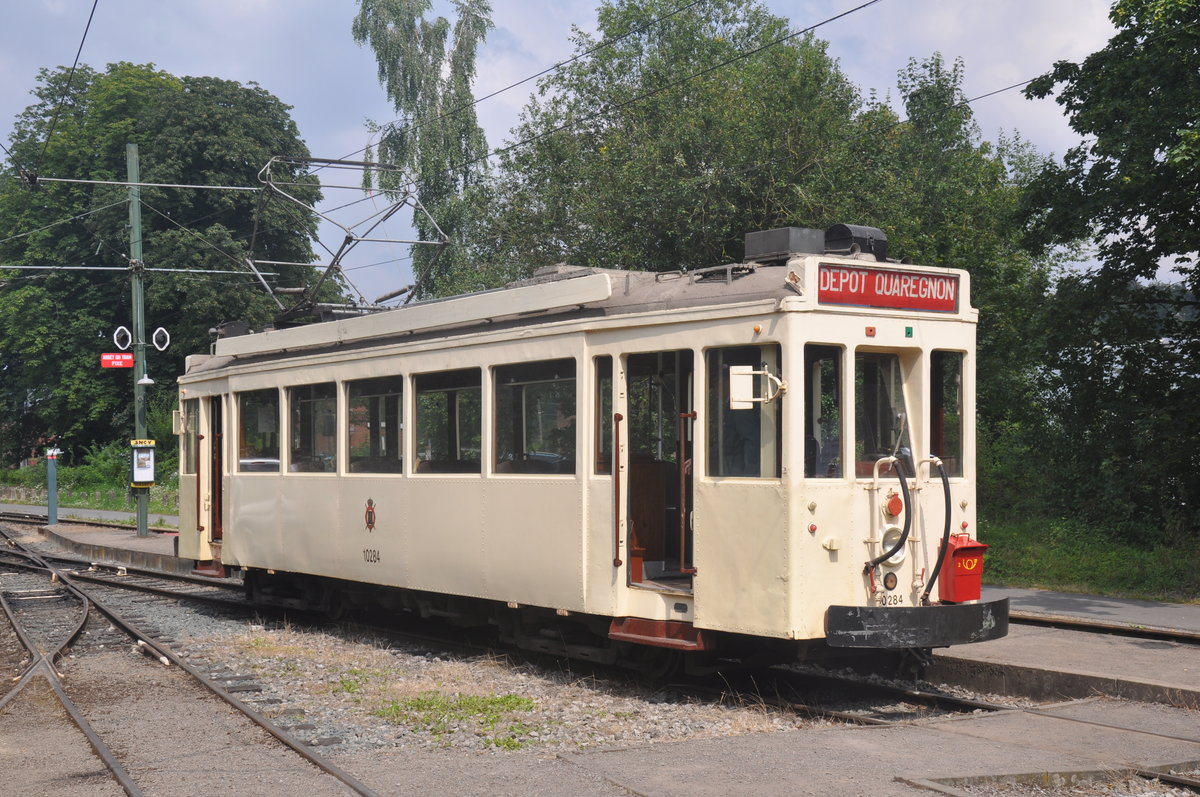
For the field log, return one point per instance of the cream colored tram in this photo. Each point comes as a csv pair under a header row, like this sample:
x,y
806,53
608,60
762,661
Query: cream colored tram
x,y
685,461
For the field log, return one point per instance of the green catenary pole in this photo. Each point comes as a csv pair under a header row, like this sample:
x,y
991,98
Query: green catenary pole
x,y
142,494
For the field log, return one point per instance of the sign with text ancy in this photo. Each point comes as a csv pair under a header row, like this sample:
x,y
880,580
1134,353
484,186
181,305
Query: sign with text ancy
x,y
878,287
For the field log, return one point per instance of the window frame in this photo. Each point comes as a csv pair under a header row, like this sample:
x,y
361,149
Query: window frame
x,y
386,464
264,457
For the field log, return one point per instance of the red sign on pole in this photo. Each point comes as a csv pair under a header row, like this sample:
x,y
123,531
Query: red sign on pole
x,y
117,360
877,287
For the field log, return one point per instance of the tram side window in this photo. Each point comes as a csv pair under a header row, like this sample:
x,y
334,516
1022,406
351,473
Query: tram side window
x,y
946,410
313,428
822,412
375,426
258,431
743,442
881,424
604,414
190,443
449,421
535,417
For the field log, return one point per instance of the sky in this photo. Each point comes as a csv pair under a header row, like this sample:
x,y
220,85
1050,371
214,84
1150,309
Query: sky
x,y
302,51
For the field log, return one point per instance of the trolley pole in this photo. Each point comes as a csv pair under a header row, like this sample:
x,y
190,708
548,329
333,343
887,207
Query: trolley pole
x,y
140,378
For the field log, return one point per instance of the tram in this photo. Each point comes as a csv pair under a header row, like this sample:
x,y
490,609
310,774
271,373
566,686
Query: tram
x,y
772,455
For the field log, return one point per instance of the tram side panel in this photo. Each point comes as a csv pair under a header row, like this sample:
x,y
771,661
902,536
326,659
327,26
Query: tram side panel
x,y
532,542
743,582
254,535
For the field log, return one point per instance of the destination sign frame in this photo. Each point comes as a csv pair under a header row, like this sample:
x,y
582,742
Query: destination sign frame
x,y
892,289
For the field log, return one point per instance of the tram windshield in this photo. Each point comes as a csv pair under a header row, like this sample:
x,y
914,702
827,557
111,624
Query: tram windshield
x,y
881,418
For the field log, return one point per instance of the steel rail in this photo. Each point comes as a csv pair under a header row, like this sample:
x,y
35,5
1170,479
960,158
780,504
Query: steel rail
x,y
1065,623
165,654
29,517
43,665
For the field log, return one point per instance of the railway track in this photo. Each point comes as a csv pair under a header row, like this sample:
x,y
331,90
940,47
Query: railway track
x,y
1065,623
37,518
63,637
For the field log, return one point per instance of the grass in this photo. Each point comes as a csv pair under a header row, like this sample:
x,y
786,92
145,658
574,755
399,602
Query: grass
x,y
163,500
442,714
1072,556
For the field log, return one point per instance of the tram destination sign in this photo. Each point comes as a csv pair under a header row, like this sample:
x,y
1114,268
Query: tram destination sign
x,y
878,287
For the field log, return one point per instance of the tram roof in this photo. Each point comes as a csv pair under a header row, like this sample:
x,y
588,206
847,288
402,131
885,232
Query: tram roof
x,y
564,292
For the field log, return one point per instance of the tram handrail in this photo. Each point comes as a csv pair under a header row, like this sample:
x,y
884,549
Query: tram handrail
x,y
199,480
616,469
684,417
937,568
867,568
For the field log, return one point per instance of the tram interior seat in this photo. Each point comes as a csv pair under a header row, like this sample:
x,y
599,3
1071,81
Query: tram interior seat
x,y
536,462
654,510
377,465
448,466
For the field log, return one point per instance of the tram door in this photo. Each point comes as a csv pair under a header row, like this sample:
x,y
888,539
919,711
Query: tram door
x,y
660,411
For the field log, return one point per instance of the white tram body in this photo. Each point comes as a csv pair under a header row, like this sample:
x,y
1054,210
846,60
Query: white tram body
x,y
674,459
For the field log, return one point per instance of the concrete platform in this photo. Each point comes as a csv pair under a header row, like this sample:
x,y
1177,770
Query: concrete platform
x,y
1118,611
900,761
1053,664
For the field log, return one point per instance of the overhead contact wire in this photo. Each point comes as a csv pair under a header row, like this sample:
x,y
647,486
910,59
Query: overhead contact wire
x,y
70,77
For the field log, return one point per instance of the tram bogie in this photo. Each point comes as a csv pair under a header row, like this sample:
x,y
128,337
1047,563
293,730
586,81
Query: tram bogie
x,y
682,462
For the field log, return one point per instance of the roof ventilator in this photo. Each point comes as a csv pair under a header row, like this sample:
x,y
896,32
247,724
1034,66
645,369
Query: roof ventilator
x,y
775,247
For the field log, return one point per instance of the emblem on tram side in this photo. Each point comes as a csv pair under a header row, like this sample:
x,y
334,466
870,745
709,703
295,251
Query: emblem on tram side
x,y
369,515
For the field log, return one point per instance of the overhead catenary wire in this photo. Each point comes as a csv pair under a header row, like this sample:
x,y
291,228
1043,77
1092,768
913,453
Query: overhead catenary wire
x,y
150,185
63,221
574,122
70,77
415,124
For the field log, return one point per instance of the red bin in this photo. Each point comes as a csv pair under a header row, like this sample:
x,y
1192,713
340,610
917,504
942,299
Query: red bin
x,y
962,570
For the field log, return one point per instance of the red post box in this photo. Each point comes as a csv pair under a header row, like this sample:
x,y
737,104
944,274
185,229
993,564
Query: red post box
x,y
962,570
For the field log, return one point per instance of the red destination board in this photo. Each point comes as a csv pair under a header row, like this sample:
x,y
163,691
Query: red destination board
x,y
877,287
118,360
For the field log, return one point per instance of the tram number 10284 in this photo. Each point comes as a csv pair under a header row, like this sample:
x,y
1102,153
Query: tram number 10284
x,y
371,555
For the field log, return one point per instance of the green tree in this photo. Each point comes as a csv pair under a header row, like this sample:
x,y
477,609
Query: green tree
x,y
651,154
661,150
1123,376
194,131
426,66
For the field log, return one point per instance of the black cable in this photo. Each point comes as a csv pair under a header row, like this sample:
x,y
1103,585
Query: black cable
x,y
670,85
70,76
606,43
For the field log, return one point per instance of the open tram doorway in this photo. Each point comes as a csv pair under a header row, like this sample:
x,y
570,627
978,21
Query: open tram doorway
x,y
659,406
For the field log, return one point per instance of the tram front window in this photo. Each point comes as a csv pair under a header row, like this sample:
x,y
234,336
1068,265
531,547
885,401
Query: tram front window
x,y
881,424
946,410
822,412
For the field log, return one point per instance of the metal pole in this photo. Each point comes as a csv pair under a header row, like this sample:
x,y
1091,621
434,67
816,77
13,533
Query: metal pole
x,y
139,324
52,486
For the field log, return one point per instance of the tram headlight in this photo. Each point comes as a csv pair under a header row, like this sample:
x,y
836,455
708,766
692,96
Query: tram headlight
x,y
891,536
